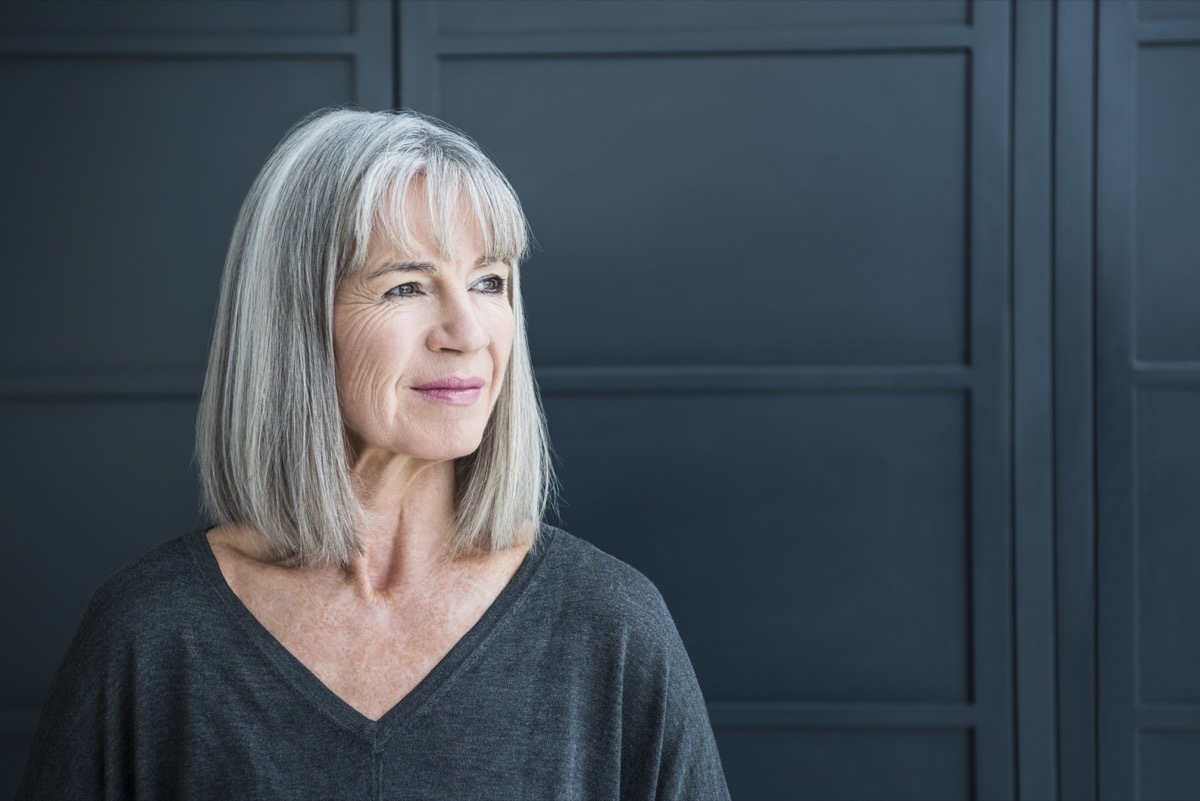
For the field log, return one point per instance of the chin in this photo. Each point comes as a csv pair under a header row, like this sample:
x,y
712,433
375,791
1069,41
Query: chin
x,y
445,451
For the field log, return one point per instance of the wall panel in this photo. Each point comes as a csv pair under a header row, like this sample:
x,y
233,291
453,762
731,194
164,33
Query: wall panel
x,y
1148,377
1170,765
177,16
795,766
124,240
694,234
536,16
768,312
85,496
1168,205
719,482
1168,562
1169,9
136,129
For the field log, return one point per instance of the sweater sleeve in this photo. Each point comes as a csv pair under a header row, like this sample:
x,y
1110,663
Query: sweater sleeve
x,y
80,734
670,753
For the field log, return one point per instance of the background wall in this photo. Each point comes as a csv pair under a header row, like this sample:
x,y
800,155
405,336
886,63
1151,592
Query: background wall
x,y
866,329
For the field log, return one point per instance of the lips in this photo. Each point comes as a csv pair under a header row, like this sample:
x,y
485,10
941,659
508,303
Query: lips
x,y
451,390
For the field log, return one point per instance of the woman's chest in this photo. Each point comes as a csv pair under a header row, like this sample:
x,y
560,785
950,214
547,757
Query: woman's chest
x,y
370,655
370,667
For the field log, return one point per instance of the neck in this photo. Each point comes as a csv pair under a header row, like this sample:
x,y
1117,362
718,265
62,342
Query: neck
x,y
408,524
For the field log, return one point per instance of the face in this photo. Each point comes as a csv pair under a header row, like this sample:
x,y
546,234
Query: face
x,y
422,344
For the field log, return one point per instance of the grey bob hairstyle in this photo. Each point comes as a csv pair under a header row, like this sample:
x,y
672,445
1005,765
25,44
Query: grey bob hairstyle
x,y
270,442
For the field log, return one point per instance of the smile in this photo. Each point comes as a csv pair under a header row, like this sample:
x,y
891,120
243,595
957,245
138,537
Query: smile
x,y
452,391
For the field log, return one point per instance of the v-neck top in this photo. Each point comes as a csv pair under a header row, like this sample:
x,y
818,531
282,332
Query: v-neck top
x,y
574,684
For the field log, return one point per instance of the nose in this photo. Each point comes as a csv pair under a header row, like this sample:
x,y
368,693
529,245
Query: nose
x,y
459,326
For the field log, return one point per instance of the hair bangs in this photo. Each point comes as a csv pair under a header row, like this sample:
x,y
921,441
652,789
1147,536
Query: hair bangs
x,y
454,192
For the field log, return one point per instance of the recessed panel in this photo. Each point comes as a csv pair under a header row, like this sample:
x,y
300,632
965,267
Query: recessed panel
x,y
176,16
86,488
1168,504
1168,765
1168,205
1169,9
856,764
119,198
733,210
593,16
811,547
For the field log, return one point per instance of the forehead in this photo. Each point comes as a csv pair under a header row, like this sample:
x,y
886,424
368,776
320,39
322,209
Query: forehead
x,y
421,228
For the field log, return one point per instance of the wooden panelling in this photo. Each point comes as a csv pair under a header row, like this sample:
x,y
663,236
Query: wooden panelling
x,y
121,245
770,310
1168,562
799,765
177,16
96,485
1148,386
1168,204
1074,389
700,220
537,16
1169,9
136,129
1170,765
739,507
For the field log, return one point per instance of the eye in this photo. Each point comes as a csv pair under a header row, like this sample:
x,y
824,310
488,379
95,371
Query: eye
x,y
403,290
491,285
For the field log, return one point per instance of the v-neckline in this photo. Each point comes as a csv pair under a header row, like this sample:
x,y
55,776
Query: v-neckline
x,y
304,681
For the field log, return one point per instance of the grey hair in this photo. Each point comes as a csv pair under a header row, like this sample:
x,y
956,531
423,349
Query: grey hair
x,y
270,442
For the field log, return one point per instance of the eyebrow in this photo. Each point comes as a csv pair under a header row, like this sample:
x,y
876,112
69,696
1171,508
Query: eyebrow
x,y
403,267
422,266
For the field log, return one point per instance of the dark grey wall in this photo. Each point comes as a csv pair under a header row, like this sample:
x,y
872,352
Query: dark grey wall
x,y
131,133
866,329
768,315
1148,379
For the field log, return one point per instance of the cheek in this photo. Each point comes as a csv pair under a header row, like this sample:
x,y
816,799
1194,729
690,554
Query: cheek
x,y
503,331
370,359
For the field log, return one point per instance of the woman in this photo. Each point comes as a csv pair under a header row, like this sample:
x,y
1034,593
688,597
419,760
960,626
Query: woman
x,y
378,611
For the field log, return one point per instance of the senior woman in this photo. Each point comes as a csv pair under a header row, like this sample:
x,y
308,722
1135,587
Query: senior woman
x,y
379,611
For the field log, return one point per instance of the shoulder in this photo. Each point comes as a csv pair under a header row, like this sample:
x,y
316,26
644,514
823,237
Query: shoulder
x,y
147,597
622,647
593,574
598,589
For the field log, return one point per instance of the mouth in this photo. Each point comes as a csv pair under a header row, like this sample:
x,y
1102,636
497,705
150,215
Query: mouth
x,y
452,390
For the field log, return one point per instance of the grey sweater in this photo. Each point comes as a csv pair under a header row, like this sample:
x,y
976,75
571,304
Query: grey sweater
x,y
573,685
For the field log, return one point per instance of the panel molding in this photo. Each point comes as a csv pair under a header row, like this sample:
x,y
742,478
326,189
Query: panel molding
x,y
1074,397
566,380
1116,148
1032,403
766,716
161,44
990,480
370,47
915,38
1167,374
1169,717
1168,32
